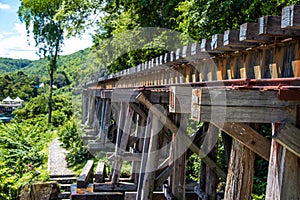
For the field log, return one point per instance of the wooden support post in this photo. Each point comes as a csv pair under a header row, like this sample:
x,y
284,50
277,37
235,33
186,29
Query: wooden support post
x,y
84,107
283,174
102,120
240,172
122,140
181,135
144,155
210,146
153,158
139,133
227,141
179,160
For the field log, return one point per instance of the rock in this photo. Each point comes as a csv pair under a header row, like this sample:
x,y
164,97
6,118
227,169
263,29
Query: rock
x,y
45,191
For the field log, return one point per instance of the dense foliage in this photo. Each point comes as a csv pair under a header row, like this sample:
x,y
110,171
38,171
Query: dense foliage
x,y
18,84
10,65
120,24
23,150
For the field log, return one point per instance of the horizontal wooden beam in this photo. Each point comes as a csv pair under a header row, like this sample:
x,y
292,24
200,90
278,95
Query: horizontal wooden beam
x,y
120,187
231,97
159,196
288,136
240,106
271,26
248,137
129,95
241,114
99,195
249,33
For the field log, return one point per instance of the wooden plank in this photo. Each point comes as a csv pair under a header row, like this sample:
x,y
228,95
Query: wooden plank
x,y
198,140
106,94
122,144
85,175
288,136
271,26
283,174
240,172
209,146
239,106
153,158
217,41
240,114
248,137
229,97
290,17
158,195
205,45
100,173
180,134
180,98
129,95
108,187
231,39
249,33
178,155
296,68
144,157
99,195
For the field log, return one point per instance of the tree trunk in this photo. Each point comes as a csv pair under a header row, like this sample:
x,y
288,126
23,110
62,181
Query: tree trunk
x,y
50,102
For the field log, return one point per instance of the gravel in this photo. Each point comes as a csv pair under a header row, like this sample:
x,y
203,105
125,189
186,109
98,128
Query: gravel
x,y
57,164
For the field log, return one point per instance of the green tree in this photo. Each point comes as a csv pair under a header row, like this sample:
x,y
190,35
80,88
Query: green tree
x,y
48,33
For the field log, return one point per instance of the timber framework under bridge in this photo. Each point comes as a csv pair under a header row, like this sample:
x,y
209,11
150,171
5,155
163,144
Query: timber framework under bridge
x,y
233,83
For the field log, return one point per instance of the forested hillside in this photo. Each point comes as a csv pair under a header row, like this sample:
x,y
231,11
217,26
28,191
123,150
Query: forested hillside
x,y
10,65
79,66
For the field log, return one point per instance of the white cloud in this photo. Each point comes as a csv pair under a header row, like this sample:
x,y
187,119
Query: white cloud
x,y
4,6
15,44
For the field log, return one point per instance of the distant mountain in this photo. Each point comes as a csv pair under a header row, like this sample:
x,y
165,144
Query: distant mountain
x,y
76,68
11,65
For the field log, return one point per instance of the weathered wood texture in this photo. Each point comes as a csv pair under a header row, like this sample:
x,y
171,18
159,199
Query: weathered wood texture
x,y
239,106
129,95
85,175
180,99
121,144
178,155
100,173
248,137
271,26
180,134
210,147
144,156
99,195
289,137
158,195
240,173
153,158
283,174
290,17
249,33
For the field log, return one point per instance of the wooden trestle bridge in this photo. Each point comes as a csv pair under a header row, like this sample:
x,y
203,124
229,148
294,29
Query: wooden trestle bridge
x,y
232,82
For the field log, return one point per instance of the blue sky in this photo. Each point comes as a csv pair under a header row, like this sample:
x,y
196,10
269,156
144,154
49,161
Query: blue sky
x,y
14,40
